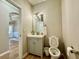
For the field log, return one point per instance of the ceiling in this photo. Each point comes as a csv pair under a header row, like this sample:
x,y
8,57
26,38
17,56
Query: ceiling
x,y
34,2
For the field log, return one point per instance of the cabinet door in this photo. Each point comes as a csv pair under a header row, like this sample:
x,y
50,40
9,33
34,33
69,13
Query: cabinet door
x,y
30,45
38,46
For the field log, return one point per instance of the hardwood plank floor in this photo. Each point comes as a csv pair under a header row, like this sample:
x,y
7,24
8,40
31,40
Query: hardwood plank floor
x,y
30,56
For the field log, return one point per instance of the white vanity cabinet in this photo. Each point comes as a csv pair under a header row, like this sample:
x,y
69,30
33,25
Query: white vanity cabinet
x,y
36,44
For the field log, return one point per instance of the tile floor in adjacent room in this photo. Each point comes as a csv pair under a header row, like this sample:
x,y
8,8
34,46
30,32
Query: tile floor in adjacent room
x,y
14,49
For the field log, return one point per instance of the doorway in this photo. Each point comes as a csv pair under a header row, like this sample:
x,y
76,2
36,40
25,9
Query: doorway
x,y
14,26
14,32
14,29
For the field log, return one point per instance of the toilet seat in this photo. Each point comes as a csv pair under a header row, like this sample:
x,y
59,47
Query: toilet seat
x,y
53,42
54,51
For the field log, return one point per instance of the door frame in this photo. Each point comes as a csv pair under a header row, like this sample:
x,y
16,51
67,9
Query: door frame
x,y
20,12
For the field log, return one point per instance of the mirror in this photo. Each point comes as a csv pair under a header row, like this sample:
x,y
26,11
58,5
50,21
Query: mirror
x,y
38,24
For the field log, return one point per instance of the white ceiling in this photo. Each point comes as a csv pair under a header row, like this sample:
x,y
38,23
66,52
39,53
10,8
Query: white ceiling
x,y
34,2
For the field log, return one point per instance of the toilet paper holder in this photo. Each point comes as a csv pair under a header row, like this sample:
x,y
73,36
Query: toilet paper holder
x,y
74,51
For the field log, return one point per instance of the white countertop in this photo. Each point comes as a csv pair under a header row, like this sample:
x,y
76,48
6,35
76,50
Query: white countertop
x,y
35,36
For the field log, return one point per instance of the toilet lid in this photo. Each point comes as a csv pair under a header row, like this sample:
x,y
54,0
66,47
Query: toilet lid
x,y
53,42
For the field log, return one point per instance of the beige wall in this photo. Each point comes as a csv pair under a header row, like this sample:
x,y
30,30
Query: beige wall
x,y
26,20
52,10
70,24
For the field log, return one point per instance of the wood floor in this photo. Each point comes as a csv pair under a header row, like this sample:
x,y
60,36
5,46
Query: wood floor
x,y
35,57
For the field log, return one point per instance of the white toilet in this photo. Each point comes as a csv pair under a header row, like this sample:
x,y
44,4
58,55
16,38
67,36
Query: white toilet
x,y
53,50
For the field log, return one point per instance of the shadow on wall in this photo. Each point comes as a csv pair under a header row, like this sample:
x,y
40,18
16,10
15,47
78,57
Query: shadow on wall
x,y
46,41
62,48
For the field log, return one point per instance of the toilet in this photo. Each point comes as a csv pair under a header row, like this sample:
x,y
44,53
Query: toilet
x,y
53,50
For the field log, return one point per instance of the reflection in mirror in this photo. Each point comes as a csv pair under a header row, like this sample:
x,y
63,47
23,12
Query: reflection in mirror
x,y
38,24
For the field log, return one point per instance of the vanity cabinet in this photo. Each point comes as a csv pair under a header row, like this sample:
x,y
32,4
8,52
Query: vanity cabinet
x,y
36,44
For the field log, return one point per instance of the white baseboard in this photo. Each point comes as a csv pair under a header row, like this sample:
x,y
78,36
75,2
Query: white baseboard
x,y
25,54
7,52
4,53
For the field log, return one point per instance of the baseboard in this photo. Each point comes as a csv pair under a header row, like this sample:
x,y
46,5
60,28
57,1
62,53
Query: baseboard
x,y
7,52
4,53
25,55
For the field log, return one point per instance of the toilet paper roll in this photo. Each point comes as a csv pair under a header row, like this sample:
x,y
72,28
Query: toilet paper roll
x,y
69,49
